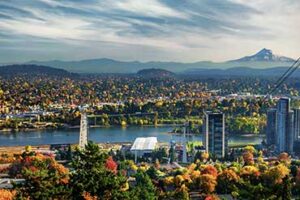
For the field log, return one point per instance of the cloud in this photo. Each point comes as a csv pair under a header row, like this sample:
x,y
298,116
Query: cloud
x,y
184,30
148,8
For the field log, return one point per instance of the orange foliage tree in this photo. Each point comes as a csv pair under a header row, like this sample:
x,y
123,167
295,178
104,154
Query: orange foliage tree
x,y
7,194
207,183
209,169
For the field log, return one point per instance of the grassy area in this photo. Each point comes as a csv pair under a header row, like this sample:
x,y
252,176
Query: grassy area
x,y
239,145
192,144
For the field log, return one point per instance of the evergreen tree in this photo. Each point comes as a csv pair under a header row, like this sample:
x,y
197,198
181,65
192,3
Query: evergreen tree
x,y
144,188
286,191
172,154
93,174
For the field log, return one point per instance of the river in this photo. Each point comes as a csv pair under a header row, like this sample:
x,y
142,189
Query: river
x,y
110,134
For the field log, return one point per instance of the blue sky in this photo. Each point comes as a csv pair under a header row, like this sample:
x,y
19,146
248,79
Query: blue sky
x,y
164,30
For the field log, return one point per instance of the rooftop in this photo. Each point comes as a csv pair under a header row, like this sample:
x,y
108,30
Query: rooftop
x,y
213,112
144,143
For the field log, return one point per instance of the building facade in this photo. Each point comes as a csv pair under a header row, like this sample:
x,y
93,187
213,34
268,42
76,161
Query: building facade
x,y
284,126
215,139
271,126
297,123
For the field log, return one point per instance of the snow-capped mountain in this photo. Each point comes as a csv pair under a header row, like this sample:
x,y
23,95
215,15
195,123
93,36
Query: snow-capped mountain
x,y
264,55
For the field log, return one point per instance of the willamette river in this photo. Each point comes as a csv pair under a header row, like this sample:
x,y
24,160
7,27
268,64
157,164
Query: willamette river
x,y
111,134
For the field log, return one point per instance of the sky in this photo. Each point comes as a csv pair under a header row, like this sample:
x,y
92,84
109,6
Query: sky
x,y
147,30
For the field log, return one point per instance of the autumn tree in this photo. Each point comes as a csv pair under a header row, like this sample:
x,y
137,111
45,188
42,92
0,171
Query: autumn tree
x,y
44,177
209,169
276,174
227,181
207,183
248,158
284,158
204,156
7,194
111,165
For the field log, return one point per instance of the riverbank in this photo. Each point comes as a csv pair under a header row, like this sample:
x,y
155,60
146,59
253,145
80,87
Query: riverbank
x,y
18,149
10,130
11,150
66,127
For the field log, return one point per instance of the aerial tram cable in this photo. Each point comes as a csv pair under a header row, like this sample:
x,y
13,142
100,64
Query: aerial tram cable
x,y
285,76
287,71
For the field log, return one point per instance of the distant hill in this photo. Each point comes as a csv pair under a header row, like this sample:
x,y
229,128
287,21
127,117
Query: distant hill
x,y
22,69
240,71
153,73
265,58
105,65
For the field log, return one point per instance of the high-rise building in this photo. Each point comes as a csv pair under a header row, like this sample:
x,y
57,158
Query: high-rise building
x,y
284,126
297,123
290,135
215,139
271,126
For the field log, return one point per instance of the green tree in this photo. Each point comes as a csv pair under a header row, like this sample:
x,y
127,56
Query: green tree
x,y
159,154
144,188
285,191
172,154
92,174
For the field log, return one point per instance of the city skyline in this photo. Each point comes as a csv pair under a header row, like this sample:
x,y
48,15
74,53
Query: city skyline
x,y
146,30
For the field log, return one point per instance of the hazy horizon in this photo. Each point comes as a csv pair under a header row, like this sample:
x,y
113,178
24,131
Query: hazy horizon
x,y
146,30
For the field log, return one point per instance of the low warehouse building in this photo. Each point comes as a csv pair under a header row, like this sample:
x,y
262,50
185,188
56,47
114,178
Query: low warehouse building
x,y
143,145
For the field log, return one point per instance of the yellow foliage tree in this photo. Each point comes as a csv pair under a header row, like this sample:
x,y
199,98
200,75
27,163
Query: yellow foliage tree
x,y
169,180
276,173
204,156
248,158
178,180
195,174
249,171
250,149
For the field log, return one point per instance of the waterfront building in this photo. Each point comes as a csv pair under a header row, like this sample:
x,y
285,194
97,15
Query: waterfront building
x,y
284,126
271,126
143,146
215,139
